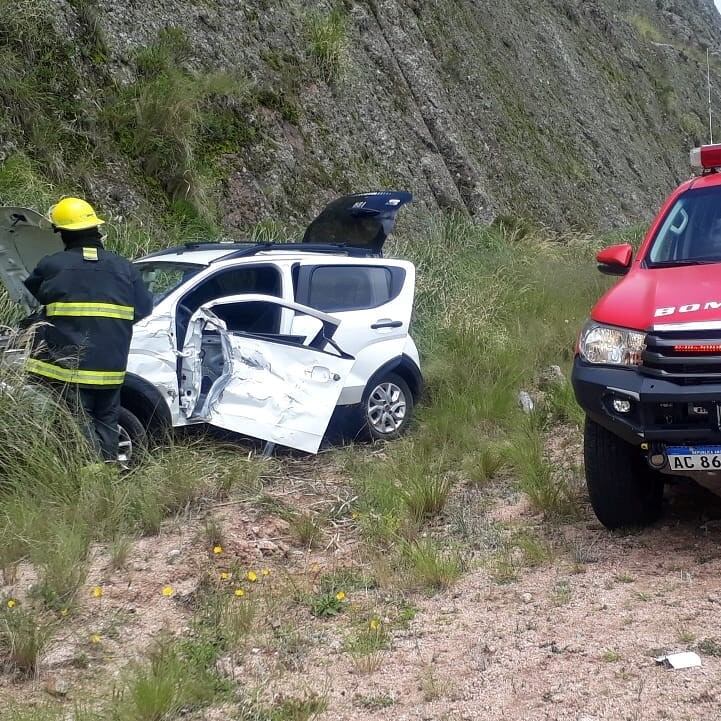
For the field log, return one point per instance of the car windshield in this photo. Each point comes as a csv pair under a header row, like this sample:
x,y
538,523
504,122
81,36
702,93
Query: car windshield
x,y
691,231
162,278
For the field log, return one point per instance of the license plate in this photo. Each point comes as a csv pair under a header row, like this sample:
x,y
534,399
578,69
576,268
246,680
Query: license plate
x,y
694,458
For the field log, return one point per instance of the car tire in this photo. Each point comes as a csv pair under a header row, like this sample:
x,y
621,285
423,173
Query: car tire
x,y
133,438
624,491
387,407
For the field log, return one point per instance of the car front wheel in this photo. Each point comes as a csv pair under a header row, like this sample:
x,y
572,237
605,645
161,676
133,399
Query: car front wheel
x,y
624,491
387,406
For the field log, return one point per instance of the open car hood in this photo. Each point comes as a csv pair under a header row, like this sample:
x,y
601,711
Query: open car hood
x,y
361,220
25,238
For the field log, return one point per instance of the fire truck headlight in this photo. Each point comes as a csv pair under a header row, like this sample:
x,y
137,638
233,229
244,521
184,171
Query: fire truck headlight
x,y
605,344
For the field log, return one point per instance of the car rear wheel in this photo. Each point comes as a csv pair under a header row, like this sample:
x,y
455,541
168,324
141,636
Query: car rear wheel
x,y
133,438
624,491
387,407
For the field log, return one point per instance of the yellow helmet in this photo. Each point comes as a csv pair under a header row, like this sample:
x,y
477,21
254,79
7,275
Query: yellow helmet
x,y
74,214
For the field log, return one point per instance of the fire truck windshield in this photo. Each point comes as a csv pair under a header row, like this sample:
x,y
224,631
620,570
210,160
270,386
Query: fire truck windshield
x,y
691,231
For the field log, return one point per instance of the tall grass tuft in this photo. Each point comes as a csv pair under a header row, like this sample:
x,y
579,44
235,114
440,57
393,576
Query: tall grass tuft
x,y
429,566
327,42
163,685
24,637
548,492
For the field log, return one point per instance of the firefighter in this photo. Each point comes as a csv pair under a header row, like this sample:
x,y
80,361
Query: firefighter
x,y
91,299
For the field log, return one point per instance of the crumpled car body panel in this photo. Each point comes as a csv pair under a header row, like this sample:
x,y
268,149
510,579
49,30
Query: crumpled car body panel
x,y
281,392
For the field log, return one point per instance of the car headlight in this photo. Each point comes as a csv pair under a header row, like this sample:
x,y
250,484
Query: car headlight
x,y
614,346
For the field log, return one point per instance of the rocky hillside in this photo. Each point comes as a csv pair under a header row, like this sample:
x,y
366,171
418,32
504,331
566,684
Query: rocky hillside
x,y
572,113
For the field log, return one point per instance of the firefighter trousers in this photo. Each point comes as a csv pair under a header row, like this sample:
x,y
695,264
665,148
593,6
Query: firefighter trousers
x,y
98,411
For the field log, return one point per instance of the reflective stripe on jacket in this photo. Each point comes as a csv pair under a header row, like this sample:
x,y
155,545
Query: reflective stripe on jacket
x,y
92,297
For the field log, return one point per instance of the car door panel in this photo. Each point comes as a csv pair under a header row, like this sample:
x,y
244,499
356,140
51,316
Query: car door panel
x,y
271,388
374,335
153,356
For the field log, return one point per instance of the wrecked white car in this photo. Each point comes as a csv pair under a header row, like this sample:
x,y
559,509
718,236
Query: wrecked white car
x,y
273,341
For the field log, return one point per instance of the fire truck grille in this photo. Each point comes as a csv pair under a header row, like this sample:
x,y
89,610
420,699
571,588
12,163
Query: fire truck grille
x,y
684,357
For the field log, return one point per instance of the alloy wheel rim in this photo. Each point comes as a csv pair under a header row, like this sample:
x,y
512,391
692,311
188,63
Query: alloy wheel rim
x,y
386,408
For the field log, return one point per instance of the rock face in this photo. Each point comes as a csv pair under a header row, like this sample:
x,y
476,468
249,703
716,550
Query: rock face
x,y
572,113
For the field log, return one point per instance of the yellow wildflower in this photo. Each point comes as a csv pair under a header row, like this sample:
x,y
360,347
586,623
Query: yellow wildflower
x,y
12,603
239,592
95,638
217,550
167,591
355,515
340,596
64,612
252,576
224,575
265,572
97,592
374,624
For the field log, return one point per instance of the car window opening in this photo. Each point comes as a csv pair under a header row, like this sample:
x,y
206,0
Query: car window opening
x,y
247,317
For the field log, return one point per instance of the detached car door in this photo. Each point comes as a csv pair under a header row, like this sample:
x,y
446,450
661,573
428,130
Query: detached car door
x,y
269,386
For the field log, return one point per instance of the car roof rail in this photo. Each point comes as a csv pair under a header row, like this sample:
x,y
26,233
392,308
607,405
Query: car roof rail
x,y
337,249
243,250
200,245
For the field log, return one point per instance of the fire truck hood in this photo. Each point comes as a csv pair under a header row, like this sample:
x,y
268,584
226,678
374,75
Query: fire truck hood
x,y
649,297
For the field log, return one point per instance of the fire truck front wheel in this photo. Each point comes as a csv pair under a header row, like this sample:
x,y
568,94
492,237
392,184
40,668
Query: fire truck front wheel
x,y
624,491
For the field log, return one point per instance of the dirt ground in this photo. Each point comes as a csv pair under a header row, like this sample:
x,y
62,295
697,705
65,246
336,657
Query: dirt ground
x,y
573,638
567,641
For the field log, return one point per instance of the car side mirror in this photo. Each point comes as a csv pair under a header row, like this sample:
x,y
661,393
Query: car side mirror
x,y
615,260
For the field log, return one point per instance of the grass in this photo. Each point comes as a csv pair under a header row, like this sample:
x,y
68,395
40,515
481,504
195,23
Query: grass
x,y
24,637
428,565
224,620
373,702
646,28
485,465
327,42
284,708
170,680
305,529
487,283
534,474
366,647
561,593
56,500
159,121
432,686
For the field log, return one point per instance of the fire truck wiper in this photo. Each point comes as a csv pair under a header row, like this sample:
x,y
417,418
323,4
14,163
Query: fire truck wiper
x,y
687,261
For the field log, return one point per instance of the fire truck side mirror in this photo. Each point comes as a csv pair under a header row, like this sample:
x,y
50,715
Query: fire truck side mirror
x,y
615,260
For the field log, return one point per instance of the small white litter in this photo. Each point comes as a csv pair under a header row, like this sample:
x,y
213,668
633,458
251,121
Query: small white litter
x,y
676,661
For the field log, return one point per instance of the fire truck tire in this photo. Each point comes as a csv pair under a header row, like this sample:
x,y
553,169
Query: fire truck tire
x,y
624,491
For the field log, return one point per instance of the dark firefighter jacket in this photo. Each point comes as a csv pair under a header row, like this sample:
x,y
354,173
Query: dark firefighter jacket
x,y
92,297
